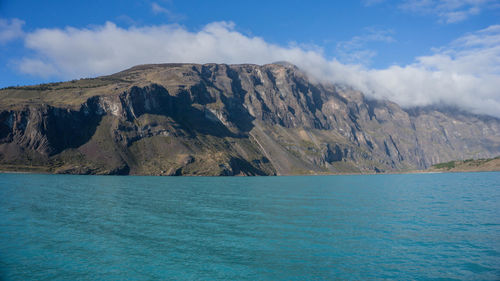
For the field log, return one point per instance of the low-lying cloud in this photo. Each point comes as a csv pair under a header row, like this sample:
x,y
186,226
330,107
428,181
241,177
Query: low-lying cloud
x,y
466,73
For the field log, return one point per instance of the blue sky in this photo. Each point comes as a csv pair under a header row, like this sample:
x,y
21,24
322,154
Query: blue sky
x,y
42,41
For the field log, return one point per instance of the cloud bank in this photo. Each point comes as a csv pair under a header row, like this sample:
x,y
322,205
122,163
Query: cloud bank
x,y
465,73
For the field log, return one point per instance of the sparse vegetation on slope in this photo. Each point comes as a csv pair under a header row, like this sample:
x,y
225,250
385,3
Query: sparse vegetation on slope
x,y
469,165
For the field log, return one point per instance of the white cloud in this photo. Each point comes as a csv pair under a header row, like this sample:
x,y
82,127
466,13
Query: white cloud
x,y
158,9
37,67
448,11
10,30
465,73
354,51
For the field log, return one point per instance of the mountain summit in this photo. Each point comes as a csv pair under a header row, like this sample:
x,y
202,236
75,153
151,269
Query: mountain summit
x,y
217,119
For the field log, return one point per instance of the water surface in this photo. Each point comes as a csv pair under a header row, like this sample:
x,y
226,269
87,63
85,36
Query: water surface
x,y
418,226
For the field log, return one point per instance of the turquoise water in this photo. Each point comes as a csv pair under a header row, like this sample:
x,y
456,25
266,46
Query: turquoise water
x,y
428,226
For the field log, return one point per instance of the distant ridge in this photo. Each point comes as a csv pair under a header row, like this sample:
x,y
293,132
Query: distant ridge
x,y
469,165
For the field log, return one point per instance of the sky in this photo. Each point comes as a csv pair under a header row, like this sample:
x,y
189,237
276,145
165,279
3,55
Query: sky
x,y
413,52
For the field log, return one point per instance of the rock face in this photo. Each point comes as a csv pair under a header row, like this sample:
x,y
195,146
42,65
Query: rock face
x,y
216,119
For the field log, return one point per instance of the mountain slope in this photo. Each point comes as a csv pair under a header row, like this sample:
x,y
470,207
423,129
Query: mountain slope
x,y
216,119
469,165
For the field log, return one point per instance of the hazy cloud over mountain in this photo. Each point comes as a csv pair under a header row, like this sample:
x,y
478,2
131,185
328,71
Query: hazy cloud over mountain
x,y
465,73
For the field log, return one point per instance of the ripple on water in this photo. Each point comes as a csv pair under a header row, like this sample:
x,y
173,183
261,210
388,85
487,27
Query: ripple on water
x,y
431,227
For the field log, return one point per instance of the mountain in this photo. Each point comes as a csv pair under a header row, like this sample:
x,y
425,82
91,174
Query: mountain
x,y
469,165
217,119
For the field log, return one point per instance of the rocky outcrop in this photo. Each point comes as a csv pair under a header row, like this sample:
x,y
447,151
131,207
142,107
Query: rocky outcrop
x,y
187,119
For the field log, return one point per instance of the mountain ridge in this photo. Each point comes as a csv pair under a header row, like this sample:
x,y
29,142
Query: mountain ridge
x,y
218,119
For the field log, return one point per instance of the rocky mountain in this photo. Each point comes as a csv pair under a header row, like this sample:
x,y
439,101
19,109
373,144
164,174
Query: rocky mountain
x,y
217,119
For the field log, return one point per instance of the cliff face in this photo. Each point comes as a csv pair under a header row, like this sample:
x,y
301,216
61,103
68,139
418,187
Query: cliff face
x,y
187,119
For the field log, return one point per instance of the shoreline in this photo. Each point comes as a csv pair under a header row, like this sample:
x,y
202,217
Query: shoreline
x,y
291,175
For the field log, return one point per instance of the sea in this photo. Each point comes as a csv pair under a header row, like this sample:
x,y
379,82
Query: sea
x,y
345,227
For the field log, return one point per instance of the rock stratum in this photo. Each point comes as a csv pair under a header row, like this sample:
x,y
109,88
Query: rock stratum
x,y
217,119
